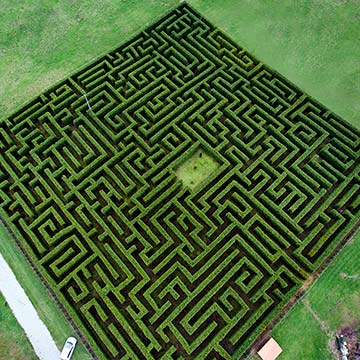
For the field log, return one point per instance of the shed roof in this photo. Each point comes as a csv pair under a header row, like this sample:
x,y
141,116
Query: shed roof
x,y
270,351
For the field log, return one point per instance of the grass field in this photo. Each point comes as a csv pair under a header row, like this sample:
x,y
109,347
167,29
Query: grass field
x,y
332,302
13,343
196,168
42,42
314,44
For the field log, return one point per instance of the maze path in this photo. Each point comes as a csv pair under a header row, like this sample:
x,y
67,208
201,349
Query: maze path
x,y
152,269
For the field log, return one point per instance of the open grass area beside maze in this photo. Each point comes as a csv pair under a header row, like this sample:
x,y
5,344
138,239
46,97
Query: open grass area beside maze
x,y
334,299
13,342
45,306
332,302
314,44
147,268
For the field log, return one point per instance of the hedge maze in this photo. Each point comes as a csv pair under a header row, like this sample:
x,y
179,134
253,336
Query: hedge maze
x,y
149,267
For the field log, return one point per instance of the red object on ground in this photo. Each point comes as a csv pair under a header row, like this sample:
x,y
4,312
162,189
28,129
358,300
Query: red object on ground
x,y
270,351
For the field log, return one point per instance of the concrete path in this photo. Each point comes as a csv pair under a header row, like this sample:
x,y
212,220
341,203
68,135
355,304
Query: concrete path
x,y
26,315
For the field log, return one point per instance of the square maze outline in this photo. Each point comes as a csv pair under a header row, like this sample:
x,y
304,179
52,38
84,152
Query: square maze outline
x,y
147,268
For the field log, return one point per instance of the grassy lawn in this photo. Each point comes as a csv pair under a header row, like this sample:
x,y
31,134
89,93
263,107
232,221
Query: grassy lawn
x,y
314,44
196,169
307,331
307,340
297,343
45,306
334,298
13,343
41,42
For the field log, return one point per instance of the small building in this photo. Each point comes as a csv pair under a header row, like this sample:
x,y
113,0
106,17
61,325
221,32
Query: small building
x,y
270,351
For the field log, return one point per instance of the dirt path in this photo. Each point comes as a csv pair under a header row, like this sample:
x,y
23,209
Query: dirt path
x,y
26,315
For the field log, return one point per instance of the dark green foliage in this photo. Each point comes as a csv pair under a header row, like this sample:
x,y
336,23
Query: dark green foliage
x,y
148,268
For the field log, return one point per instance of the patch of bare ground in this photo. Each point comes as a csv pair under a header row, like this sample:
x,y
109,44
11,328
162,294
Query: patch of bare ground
x,y
307,283
348,310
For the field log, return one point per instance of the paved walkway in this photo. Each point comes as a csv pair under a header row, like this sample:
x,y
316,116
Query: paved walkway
x,y
26,315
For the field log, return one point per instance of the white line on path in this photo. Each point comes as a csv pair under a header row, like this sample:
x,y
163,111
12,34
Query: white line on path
x,y
26,315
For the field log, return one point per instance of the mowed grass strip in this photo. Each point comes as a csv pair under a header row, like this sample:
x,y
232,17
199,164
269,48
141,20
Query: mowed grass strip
x,y
14,344
47,310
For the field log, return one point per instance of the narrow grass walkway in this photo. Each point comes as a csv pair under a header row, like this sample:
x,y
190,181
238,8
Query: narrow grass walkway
x,y
14,344
25,313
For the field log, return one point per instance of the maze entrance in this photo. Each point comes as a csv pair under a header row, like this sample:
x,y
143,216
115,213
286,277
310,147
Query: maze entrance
x,y
149,268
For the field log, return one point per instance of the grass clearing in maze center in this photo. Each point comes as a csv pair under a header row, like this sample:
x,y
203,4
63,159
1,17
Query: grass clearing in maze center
x,y
147,267
331,303
196,169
